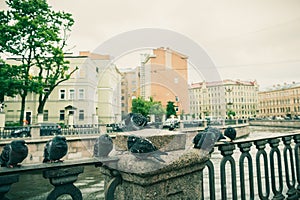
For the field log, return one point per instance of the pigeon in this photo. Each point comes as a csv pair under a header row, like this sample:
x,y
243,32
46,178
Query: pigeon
x,y
55,149
131,140
230,133
13,154
135,121
103,146
207,138
143,148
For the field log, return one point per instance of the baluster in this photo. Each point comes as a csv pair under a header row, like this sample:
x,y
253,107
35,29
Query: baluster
x,y
211,179
245,148
288,156
227,151
297,159
274,143
260,146
62,179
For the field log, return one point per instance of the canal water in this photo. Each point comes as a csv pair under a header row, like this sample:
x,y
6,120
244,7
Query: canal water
x,y
32,186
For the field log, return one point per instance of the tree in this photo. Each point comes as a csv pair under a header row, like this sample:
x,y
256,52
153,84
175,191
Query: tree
x,y
8,80
37,36
139,105
230,114
170,109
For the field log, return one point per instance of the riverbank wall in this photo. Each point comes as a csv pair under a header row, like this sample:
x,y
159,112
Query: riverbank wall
x,y
276,123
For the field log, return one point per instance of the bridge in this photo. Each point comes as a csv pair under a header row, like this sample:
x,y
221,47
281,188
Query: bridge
x,y
263,168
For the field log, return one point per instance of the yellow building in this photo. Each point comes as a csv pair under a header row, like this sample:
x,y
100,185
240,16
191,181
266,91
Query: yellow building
x,y
280,101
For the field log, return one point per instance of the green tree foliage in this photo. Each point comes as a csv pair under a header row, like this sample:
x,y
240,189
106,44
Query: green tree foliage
x,y
139,105
36,35
230,113
170,109
9,80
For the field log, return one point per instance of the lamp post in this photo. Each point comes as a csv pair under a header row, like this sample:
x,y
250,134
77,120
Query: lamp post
x,y
144,59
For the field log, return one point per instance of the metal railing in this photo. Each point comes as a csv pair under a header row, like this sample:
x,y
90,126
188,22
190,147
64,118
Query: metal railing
x,y
270,171
81,129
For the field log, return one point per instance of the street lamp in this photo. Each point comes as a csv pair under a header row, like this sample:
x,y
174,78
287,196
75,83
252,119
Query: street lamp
x,y
144,59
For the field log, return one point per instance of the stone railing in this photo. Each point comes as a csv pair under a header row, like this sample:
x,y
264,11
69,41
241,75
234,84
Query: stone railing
x,y
61,176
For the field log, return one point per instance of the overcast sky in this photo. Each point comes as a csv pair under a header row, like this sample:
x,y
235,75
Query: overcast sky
x,y
247,40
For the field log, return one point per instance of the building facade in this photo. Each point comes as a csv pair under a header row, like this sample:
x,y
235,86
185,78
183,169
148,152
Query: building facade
x,y
129,90
224,99
280,101
79,99
162,75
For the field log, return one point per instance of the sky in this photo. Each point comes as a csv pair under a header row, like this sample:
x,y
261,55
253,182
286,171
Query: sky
x,y
246,40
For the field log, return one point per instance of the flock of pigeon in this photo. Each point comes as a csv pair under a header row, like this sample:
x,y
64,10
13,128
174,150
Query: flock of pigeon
x,y
143,148
55,149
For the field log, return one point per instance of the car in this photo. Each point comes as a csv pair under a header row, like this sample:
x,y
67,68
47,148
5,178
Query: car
x,y
21,132
48,128
171,122
279,118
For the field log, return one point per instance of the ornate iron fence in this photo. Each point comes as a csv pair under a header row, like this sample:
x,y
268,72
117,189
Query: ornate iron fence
x,y
271,171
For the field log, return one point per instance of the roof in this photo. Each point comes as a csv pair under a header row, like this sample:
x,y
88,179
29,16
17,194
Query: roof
x,y
282,87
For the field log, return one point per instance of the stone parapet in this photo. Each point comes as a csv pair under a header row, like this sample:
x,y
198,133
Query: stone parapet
x,y
164,140
180,177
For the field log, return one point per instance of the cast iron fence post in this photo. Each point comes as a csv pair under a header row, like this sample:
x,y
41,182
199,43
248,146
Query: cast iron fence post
x,y
227,151
289,168
297,159
274,143
261,145
245,148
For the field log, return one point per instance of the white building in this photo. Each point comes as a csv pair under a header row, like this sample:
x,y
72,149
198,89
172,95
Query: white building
x,y
82,96
216,99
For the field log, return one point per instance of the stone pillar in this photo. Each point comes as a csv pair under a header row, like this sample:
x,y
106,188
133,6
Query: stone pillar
x,y
205,123
2,120
40,118
152,118
35,131
180,177
95,119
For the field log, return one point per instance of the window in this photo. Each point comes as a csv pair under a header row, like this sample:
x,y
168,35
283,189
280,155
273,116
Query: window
x,y
61,115
81,114
71,94
45,115
62,94
81,94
